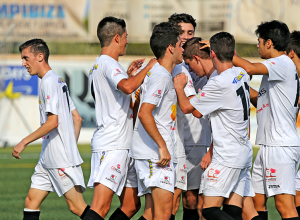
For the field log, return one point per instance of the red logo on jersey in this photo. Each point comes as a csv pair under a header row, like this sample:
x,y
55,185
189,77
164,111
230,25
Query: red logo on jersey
x,y
118,70
202,94
159,91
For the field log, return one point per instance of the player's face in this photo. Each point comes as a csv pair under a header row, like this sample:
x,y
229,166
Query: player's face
x,y
187,32
178,52
29,61
123,42
261,47
195,66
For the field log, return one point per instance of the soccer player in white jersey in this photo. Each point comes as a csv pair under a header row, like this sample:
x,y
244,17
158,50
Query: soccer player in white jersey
x,y
196,133
276,163
293,52
58,169
111,87
226,99
154,144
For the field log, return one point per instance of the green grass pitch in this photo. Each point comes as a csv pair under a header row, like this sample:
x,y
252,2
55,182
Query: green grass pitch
x,y
15,182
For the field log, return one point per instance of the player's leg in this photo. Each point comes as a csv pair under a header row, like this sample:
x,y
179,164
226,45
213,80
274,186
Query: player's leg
x,y
130,202
297,201
190,202
176,202
200,206
211,209
149,208
233,206
249,211
162,200
285,204
76,202
32,203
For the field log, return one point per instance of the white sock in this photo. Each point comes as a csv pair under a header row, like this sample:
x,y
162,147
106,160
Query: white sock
x,y
30,210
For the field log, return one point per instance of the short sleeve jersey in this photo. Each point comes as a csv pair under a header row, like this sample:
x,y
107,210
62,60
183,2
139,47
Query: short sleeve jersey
x,y
157,90
277,103
226,99
181,118
59,147
197,131
113,107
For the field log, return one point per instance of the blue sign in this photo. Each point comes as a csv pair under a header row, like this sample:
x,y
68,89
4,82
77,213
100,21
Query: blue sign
x,y
22,81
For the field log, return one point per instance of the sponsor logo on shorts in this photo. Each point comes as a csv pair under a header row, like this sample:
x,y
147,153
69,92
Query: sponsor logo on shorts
x,y
117,169
270,175
61,173
212,175
112,178
151,168
166,180
158,95
184,169
238,78
182,180
273,186
168,168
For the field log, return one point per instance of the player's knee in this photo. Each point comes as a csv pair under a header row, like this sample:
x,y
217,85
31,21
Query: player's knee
x,y
74,210
282,207
191,201
29,204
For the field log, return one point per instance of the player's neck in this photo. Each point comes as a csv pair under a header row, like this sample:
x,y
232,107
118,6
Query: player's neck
x,y
112,52
221,67
167,64
208,67
273,53
43,70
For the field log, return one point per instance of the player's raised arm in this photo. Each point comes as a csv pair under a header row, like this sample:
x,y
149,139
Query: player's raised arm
x,y
253,97
129,85
49,125
251,68
183,101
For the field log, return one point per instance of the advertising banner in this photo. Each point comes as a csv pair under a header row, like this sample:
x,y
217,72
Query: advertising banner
x,y
52,20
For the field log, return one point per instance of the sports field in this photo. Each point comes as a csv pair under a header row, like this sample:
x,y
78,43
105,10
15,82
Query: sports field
x,y
15,182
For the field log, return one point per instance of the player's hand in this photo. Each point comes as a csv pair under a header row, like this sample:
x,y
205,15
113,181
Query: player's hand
x,y
18,149
206,160
165,157
134,66
152,62
206,42
180,81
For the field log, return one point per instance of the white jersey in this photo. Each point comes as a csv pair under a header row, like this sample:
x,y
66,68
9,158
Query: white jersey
x,y
226,98
180,117
197,130
59,147
112,106
157,89
277,104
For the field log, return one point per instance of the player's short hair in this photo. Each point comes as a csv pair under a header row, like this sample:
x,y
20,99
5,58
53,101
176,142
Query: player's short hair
x,y
182,18
276,31
36,46
223,44
294,43
192,47
163,35
109,27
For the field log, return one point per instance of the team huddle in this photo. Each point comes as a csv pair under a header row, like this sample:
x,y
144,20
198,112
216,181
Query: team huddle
x,y
177,126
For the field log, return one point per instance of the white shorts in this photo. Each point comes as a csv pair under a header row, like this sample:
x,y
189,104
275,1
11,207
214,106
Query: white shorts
x,y
150,175
297,181
275,169
109,168
57,180
194,155
181,174
245,189
222,181
131,180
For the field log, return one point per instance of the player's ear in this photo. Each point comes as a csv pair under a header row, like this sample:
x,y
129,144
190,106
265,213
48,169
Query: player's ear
x,y
171,49
117,38
196,58
269,43
40,57
212,54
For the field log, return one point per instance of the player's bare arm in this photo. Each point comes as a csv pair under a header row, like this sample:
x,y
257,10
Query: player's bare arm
x,y
128,86
136,106
147,120
206,160
77,123
183,101
251,68
253,97
49,125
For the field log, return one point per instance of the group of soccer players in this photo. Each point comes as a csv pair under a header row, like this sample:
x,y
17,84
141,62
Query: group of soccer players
x,y
186,132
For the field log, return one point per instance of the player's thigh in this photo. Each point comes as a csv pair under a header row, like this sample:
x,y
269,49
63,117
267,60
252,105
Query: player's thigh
x,y
249,211
297,198
75,199
234,199
102,197
34,198
212,201
285,204
260,202
190,199
130,202
162,199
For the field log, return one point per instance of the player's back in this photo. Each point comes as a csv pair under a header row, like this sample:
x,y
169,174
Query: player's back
x,y
59,147
113,112
277,104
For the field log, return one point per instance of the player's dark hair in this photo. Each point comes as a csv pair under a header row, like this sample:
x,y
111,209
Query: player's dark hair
x,y
36,46
223,44
182,18
163,35
294,43
109,27
277,31
192,47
